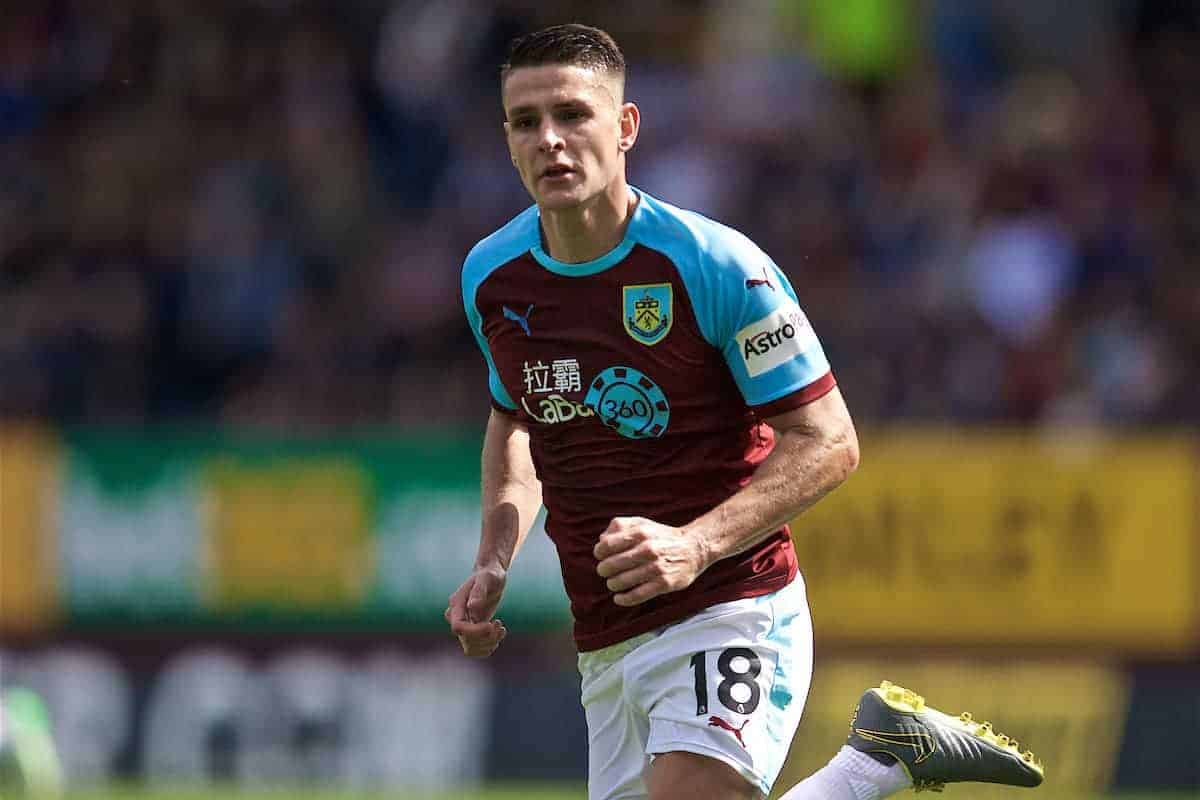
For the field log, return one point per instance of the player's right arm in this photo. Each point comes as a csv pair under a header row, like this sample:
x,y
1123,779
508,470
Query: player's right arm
x,y
511,497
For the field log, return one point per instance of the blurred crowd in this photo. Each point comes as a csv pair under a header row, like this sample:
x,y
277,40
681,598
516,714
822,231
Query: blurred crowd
x,y
254,212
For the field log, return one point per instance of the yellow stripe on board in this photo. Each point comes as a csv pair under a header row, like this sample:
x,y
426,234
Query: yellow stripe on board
x,y
289,535
29,459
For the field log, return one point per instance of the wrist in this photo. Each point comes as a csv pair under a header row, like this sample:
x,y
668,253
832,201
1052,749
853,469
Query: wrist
x,y
705,554
492,564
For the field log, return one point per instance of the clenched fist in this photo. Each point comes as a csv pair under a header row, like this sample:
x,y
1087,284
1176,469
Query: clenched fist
x,y
642,559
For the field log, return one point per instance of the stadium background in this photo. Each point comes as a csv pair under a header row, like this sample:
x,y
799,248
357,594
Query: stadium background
x,y
241,409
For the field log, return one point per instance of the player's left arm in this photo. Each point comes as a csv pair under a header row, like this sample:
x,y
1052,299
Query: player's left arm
x,y
816,449
747,309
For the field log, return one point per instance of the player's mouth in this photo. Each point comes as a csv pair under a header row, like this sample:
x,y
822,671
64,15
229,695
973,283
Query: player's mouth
x,y
557,172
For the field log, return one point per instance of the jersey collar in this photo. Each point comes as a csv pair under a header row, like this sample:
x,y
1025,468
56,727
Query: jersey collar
x,y
598,264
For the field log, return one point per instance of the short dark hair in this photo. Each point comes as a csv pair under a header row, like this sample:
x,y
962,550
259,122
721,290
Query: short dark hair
x,y
571,44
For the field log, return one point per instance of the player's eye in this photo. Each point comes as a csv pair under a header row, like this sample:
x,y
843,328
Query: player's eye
x,y
572,115
523,123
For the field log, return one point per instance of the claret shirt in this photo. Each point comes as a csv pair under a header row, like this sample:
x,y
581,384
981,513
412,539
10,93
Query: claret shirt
x,y
644,378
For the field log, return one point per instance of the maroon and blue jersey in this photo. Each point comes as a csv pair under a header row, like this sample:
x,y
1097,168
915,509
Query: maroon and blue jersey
x,y
644,378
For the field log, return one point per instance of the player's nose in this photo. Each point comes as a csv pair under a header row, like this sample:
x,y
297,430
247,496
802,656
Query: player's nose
x,y
549,139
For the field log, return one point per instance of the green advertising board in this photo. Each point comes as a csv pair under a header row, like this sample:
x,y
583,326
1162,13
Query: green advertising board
x,y
310,533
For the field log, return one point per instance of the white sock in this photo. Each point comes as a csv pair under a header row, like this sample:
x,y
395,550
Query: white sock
x,y
850,775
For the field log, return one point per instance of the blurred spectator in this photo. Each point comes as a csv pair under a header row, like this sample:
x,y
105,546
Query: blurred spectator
x,y
256,212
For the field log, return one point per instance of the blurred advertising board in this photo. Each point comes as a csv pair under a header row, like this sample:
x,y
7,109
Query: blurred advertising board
x,y
1070,713
248,532
299,718
980,539
1005,539
385,719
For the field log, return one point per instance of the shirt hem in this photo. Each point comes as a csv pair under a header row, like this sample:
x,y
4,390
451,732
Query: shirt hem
x,y
720,594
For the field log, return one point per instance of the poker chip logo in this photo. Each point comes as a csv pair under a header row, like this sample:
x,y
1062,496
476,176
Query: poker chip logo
x,y
629,402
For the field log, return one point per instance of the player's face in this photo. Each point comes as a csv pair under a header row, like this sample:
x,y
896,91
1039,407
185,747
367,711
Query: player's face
x,y
567,132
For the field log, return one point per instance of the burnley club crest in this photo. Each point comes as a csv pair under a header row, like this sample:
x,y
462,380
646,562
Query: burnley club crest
x,y
647,311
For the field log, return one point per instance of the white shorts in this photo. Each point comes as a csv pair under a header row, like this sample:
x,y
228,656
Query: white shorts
x,y
728,683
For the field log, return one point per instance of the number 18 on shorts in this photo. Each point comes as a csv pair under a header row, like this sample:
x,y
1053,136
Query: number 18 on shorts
x,y
728,683
738,669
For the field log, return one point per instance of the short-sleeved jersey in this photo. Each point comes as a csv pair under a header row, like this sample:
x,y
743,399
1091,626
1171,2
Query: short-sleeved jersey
x,y
644,378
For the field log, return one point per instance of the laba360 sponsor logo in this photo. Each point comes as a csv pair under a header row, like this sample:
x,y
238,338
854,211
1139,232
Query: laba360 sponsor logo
x,y
776,338
556,408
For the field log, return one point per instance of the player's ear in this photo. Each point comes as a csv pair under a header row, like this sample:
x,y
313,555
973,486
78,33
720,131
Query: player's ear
x,y
630,120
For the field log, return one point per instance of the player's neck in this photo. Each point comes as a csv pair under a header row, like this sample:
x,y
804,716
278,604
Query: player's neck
x,y
587,232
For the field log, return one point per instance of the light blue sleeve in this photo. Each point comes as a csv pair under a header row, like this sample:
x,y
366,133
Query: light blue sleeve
x,y
484,259
499,394
747,309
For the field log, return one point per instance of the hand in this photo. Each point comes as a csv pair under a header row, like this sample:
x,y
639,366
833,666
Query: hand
x,y
642,559
471,608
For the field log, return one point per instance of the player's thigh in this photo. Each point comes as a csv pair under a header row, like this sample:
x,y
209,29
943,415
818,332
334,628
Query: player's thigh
x,y
688,776
617,731
728,684
616,751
